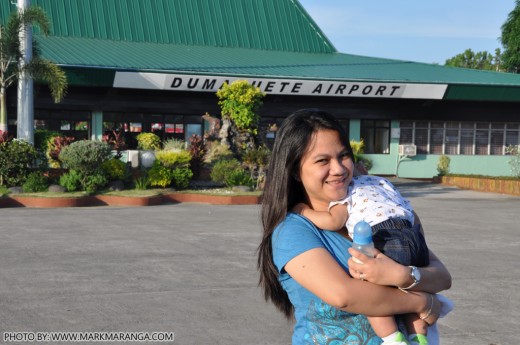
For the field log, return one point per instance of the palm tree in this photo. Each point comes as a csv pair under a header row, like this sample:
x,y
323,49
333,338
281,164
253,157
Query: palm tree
x,y
11,54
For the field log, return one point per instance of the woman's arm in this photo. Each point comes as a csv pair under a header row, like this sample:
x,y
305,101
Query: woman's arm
x,y
434,277
317,271
333,220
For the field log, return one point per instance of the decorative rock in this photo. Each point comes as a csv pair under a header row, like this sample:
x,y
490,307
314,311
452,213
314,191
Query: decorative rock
x,y
241,189
15,190
116,185
56,188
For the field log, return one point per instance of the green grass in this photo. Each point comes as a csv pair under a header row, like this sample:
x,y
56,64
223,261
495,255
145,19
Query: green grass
x,y
53,195
218,191
137,192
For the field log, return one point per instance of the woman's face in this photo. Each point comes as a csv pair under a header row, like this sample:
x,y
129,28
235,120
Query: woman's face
x,y
325,169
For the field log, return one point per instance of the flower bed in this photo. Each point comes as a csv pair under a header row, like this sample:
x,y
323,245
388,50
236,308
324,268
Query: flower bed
x,y
119,200
483,184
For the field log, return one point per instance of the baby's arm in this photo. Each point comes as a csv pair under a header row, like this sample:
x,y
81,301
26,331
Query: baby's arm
x,y
333,220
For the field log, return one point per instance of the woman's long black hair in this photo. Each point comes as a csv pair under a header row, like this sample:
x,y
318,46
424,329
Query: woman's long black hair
x,y
282,191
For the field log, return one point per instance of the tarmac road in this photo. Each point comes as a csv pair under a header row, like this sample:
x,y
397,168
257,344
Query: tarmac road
x,y
190,269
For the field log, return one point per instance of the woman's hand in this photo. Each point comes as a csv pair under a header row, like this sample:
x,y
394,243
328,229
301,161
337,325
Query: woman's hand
x,y
379,270
432,313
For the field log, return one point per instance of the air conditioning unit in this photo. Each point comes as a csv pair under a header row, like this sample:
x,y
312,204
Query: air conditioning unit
x,y
407,150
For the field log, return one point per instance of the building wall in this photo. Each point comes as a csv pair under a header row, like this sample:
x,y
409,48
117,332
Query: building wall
x,y
190,106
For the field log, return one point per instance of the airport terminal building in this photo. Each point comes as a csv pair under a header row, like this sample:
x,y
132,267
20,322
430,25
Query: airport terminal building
x,y
155,65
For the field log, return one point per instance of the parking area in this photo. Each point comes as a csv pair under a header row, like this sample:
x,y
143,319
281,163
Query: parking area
x,y
191,269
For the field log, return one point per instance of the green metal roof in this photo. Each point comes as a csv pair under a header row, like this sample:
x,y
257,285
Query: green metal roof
x,y
141,56
249,38
281,25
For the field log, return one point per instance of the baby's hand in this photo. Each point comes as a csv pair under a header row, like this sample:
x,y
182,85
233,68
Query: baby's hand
x,y
299,208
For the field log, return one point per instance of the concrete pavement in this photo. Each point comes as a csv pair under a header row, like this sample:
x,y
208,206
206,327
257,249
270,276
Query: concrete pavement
x,y
191,269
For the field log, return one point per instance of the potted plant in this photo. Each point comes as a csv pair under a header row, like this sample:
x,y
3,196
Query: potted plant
x,y
147,143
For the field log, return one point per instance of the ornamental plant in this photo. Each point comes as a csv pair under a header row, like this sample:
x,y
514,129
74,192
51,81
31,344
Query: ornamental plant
x,y
148,141
36,182
17,159
358,149
55,145
173,159
223,168
114,169
117,142
86,158
238,102
443,166
514,162
171,168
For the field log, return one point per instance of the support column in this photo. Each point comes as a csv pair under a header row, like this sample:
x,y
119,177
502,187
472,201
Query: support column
x,y
25,108
96,124
354,129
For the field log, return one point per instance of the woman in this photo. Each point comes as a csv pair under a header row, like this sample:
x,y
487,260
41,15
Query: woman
x,y
304,270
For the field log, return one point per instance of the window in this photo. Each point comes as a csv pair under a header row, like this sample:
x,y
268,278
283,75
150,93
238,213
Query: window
x,y
512,134
451,139
376,136
464,138
436,138
421,137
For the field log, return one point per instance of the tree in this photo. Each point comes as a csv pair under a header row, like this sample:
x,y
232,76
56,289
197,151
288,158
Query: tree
x,y
510,40
479,60
238,102
11,53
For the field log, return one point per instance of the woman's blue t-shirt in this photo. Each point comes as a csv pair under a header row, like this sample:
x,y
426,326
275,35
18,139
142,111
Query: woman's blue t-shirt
x,y
316,321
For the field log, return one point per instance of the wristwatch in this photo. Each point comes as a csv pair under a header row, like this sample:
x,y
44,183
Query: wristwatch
x,y
416,276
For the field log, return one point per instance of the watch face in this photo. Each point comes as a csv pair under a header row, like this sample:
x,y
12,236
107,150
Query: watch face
x,y
416,274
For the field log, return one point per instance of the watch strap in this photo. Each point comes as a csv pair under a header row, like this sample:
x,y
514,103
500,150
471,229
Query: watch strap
x,y
415,281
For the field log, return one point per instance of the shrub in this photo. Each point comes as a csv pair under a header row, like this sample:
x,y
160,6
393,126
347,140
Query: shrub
x,y
239,177
174,145
35,182
514,162
3,190
148,141
173,159
223,168
182,177
114,169
217,151
142,182
71,181
17,158
42,138
197,149
239,101
256,161
85,156
55,145
443,167
116,140
93,182
159,175
171,167
358,149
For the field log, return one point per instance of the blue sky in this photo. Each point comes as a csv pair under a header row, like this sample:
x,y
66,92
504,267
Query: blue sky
x,y
413,30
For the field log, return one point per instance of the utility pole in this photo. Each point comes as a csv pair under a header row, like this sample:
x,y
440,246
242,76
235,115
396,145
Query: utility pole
x,y
25,108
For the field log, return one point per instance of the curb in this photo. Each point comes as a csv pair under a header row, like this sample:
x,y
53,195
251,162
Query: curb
x,y
113,200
